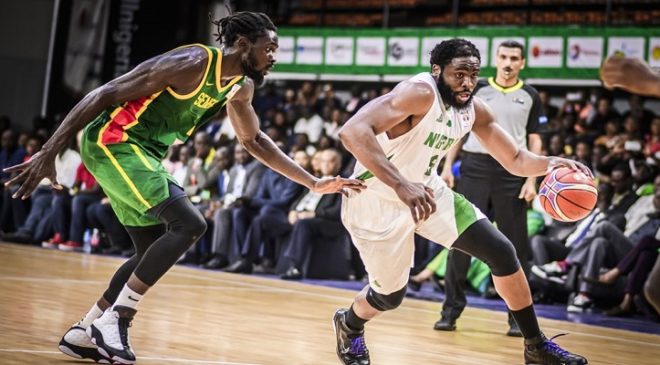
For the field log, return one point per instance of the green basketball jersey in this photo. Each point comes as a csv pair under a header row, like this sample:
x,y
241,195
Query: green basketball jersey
x,y
157,121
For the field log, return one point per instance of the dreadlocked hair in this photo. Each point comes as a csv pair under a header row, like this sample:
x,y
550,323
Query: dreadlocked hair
x,y
245,23
443,53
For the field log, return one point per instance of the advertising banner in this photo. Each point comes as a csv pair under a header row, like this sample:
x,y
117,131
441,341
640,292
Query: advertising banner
x,y
339,51
309,50
654,51
545,51
626,46
584,52
402,51
370,51
552,53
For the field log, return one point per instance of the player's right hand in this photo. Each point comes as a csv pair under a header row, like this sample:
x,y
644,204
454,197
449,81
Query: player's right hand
x,y
419,198
31,172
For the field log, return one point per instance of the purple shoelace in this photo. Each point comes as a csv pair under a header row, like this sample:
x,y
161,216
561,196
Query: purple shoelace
x,y
358,347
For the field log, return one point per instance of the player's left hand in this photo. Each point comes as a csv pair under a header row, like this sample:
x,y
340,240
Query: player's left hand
x,y
556,162
528,190
337,184
30,173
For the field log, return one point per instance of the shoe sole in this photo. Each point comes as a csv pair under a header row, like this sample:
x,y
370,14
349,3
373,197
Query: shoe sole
x,y
68,351
93,332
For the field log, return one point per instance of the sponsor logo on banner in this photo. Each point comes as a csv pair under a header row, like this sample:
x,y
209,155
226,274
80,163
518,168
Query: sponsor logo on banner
x,y
626,46
285,51
309,50
545,51
339,51
584,52
370,51
495,44
402,51
654,51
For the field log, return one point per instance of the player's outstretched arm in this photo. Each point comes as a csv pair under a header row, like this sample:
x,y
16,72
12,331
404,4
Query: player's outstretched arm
x,y
407,102
502,147
181,69
246,124
631,74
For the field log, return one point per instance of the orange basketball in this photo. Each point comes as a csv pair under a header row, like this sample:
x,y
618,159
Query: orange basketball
x,y
568,195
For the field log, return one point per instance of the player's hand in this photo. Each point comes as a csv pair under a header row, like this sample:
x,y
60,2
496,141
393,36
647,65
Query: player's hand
x,y
448,177
626,73
337,184
556,162
419,198
528,191
31,172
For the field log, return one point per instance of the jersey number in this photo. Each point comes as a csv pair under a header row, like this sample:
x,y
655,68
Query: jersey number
x,y
432,162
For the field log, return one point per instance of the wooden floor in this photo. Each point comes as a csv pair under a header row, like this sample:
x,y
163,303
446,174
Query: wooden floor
x,y
203,317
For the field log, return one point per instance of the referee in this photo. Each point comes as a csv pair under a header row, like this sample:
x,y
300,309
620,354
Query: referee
x,y
486,183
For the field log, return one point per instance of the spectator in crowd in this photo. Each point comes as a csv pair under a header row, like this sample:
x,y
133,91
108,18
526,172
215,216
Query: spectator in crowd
x,y
604,111
638,77
86,191
254,214
11,153
115,240
551,111
611,134
608,245
652,139
35,225
310,123
327,99
636,110
66,166
243,181
199,165
636,265
313,218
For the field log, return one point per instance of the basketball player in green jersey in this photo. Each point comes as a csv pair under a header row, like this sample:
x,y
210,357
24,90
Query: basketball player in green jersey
x,y
129,123
398,140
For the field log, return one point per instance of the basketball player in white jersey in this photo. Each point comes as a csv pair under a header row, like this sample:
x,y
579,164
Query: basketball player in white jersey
x,y
398,140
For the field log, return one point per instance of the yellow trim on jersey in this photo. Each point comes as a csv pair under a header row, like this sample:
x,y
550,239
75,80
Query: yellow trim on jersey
x,y
132,124
494,85
190,131
201,83
116,164
218,75
141,156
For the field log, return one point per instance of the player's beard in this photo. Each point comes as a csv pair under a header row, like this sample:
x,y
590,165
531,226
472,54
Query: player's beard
x,y
249,64
449,96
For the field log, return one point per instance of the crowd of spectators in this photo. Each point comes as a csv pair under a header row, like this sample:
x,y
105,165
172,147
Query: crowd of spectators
x,y
260,221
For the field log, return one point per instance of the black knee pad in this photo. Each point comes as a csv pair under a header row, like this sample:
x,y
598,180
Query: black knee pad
x,y
385,302
483,241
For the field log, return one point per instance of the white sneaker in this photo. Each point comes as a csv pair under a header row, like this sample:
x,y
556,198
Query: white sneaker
x,y
579,304
77,344
110,333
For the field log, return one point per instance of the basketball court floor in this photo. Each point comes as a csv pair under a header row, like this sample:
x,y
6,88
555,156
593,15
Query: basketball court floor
x,y
205,317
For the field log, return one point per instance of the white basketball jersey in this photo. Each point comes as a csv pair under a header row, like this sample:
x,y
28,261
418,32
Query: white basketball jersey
x,y
416,154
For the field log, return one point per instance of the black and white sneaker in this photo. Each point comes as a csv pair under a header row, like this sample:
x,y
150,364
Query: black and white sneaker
x,y
77,344
110,333
351,348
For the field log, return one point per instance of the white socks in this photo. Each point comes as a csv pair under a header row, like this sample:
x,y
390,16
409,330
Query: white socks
x,y
128,298
94,313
